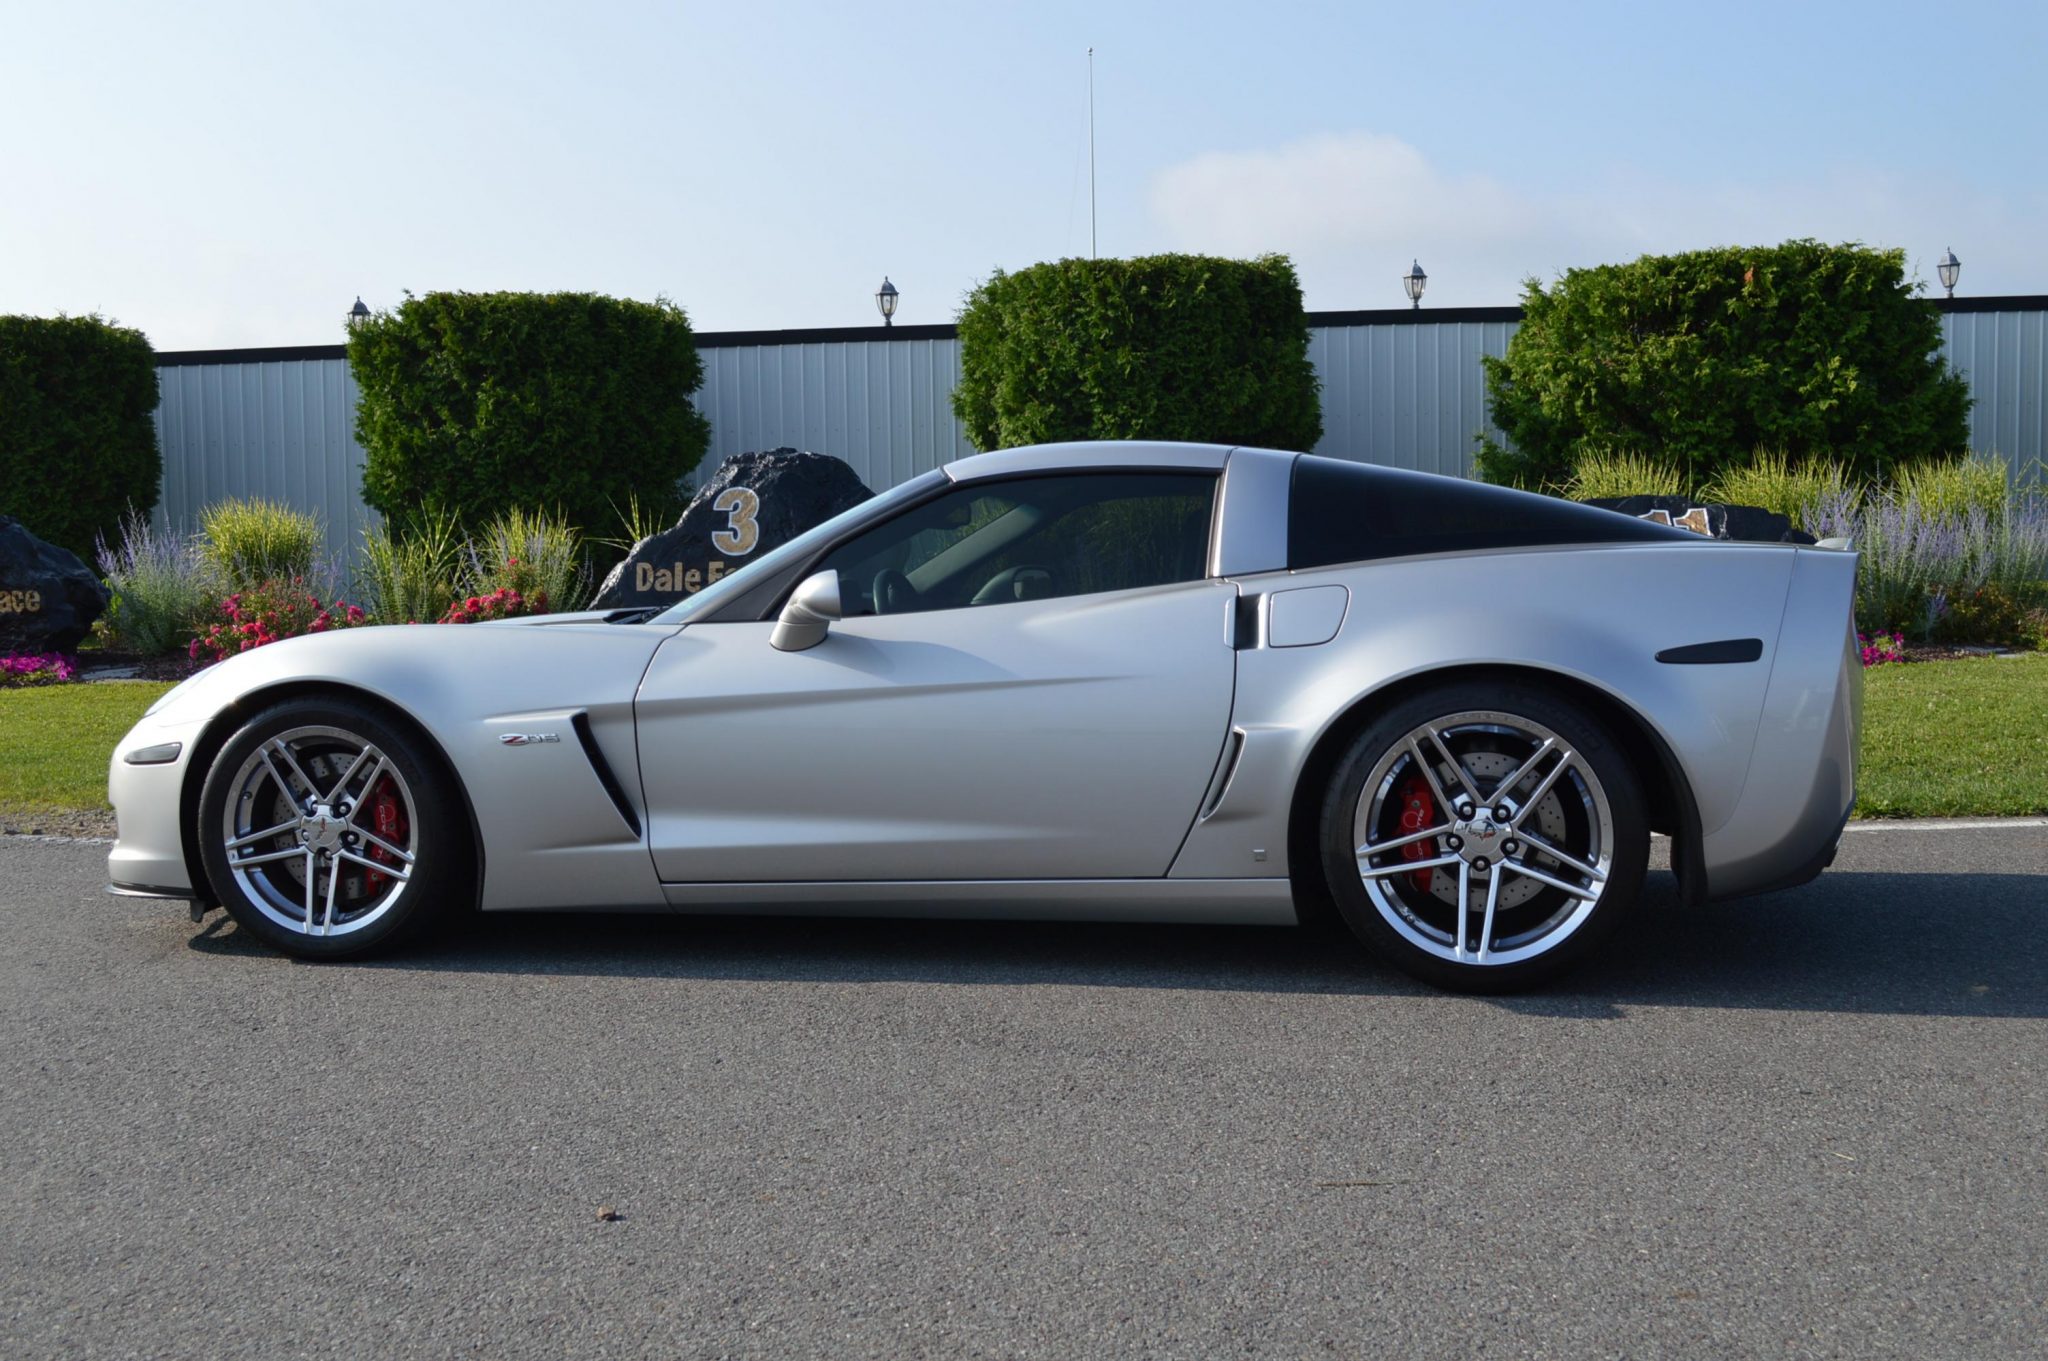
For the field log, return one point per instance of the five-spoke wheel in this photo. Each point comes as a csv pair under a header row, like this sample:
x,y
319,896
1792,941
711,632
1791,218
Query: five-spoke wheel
x,y
326,832
1482,837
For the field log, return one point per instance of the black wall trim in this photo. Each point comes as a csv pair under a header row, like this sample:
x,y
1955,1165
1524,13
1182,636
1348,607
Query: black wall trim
x,y
273,354
580,721
824,335
2013,302
838,335
1726,652
1413,316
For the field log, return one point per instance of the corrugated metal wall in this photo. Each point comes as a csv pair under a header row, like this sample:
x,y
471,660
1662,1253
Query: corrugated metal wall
x,y
883,406
283,431
2005,357
1408,395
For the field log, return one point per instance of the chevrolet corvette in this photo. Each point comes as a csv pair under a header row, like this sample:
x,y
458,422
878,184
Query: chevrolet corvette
x,y
1158,682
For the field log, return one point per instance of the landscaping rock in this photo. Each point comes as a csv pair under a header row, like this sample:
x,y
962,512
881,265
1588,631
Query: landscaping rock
x,y
753,503
48,598
1744,524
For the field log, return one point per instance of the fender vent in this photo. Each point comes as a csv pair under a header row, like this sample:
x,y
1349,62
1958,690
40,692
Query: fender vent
x,y
1224,774
580,721
1728,651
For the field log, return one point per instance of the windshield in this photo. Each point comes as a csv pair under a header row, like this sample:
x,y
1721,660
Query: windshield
x,y
725,588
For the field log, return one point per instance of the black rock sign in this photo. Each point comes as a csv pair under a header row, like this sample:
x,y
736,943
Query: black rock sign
x,y
48,598
1746,524
753,503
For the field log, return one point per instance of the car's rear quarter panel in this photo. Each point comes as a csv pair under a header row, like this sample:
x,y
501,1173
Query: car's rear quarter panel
x,y
1597,615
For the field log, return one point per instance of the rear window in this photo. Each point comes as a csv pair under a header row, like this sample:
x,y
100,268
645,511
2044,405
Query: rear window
x,y
1341,511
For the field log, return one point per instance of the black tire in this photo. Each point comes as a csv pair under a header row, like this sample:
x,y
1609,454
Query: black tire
x,y
441,877
1625,833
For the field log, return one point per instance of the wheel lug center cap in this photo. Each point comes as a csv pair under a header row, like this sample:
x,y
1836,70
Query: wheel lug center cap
x,y
1479,837
321,830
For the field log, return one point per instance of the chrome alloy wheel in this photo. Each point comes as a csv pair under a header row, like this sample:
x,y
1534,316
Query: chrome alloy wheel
x,y
320,831
1483,838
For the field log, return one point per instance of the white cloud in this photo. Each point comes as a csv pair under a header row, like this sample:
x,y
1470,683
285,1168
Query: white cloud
x,y
1353,209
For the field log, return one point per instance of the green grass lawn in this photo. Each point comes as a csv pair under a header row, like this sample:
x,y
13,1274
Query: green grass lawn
x,y
1955,739
1940,739
55,741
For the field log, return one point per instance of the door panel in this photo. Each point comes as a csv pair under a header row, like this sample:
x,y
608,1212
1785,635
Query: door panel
x,y
1066,738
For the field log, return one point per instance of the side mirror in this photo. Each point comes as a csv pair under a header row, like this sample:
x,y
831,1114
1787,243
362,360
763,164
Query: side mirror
x,y
811,609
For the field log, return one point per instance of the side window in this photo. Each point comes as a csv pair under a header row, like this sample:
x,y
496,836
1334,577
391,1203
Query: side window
x,y
1339,511
1031,538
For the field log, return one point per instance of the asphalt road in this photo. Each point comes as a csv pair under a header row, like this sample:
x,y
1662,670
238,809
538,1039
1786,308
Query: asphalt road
x,y
1811,1124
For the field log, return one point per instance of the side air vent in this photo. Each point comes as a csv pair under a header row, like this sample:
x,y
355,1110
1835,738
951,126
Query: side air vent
x,y
1224,774
603,768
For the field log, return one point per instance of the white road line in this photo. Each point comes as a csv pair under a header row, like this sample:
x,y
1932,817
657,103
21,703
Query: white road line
x,y
58,840
1943,824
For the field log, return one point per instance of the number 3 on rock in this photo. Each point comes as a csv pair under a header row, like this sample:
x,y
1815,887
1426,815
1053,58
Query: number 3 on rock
x,y
740,505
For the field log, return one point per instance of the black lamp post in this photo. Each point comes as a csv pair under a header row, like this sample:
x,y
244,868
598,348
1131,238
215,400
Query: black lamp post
x,y
885,300
1415,281
1949,269
358,315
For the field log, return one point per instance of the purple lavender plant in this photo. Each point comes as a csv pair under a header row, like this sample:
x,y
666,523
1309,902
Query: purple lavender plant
x,y
1835,515
163,590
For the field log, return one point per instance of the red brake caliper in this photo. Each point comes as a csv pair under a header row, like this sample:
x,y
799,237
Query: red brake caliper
x,y
388,817
1418,810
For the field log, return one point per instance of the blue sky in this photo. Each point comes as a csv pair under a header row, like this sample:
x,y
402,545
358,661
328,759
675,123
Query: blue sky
x,y
236,175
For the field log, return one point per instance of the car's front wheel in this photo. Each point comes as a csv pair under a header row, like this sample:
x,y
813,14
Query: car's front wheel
x,y
1483,836
328,832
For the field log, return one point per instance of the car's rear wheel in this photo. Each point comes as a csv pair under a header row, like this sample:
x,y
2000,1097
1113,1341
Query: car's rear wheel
x,y
328,832
1484,836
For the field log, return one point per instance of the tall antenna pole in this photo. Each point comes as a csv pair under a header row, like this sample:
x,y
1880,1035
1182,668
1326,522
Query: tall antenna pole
x,y
1091,153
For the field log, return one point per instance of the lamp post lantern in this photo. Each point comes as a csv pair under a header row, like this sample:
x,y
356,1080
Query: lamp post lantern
x,y
357,315
1949,269
885,300
1415,281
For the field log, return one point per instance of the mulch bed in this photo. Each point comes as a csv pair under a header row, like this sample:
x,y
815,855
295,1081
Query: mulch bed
x,y
171,668
1943,652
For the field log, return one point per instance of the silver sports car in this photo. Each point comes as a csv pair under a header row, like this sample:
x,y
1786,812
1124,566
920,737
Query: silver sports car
x,y
1149,682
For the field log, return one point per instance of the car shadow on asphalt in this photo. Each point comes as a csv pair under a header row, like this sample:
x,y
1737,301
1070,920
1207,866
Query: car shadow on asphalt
x,y
1879,943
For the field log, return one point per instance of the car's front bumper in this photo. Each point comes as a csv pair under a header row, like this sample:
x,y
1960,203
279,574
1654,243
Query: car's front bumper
x,y
148,858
